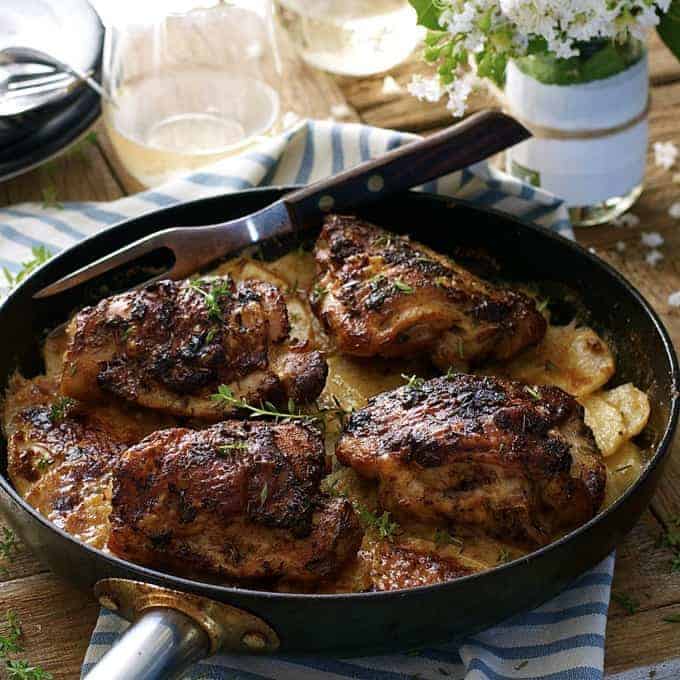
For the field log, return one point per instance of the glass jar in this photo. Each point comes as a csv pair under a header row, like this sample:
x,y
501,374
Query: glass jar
x,y
588,115
350,37
190,82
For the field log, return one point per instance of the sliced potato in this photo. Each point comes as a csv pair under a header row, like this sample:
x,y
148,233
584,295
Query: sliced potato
x,y
575,359
623,468
633,405
606,422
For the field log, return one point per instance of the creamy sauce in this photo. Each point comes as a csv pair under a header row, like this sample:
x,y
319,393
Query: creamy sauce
x,y
575,359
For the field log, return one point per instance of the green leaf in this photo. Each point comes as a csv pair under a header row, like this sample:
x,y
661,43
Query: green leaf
x,y
669,28
597,61
428,13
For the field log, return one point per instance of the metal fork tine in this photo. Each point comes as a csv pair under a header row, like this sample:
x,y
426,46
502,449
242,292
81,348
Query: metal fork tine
x,y
24,83
109,262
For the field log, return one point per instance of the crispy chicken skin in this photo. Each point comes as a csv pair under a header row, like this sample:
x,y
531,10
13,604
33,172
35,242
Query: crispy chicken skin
x,y
170,345
410,563
382,294
240,500
514,461
61,453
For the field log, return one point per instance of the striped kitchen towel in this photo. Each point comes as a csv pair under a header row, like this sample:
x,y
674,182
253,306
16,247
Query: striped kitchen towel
x,y
561,640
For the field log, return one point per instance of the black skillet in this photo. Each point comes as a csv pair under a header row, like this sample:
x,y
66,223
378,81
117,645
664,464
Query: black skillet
x,y
363,622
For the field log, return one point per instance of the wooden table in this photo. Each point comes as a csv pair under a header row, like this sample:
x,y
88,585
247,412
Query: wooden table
x,y
58,620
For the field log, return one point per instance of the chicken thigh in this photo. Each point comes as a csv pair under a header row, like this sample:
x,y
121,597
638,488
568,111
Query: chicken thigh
x,y
382,294
170,345
240,500
512,460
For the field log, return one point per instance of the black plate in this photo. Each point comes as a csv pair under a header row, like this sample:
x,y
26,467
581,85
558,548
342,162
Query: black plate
x,y
371,622
48,132
72,31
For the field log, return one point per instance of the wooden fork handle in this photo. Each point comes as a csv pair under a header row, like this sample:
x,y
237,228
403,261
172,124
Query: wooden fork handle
x,y
474,139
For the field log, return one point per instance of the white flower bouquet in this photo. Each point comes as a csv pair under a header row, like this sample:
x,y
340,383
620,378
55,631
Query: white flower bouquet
x,y
557,41
573,71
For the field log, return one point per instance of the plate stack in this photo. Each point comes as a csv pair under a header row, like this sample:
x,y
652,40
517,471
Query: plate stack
x,y
71,31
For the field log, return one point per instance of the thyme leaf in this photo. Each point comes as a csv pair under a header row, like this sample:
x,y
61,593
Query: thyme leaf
x,y
60,408
40,256
225,396
8,544
219,290
630,604
403,287
503,556
413,381
533,392
381,524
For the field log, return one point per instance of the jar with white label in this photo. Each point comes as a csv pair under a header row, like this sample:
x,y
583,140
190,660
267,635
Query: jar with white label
x,y
588,116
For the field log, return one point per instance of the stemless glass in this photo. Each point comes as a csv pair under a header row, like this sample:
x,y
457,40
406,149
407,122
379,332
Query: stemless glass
x,y
351,37
190,82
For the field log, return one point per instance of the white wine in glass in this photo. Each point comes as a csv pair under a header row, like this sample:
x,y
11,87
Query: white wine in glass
x,y
350,37
191,88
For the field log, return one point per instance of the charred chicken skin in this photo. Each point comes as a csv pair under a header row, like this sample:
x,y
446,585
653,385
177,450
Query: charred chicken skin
x,y
382,294
514,461
240,500
61,453
170,345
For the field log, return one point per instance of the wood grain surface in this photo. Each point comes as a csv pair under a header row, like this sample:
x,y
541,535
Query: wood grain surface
x,y
58,620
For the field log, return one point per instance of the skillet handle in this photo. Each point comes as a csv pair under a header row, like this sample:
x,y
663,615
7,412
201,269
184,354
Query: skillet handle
x,y
160,645
171,630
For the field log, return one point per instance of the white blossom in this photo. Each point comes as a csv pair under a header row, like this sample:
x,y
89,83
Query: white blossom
x,y
626,220
653,257
339,111
425,89
674,210
505,28
391,86
651,239
458,93
665,154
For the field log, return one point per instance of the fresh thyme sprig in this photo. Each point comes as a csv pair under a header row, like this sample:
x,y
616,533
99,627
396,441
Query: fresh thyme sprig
x,y
503,556
60,408
630,604
371,521
671,540
44,462
443,537
318,293
543,304
49,198
40,256
219,290
413,381
264,494
535,394
10,643
225,396
226,448
403,287
381,524
8,544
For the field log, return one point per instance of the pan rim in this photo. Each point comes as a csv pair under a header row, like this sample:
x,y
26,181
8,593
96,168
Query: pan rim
x,y
180,583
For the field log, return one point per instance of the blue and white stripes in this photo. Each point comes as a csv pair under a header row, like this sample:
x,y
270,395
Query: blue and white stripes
x,y
562,640
309,152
